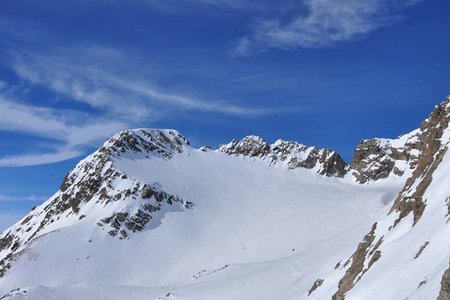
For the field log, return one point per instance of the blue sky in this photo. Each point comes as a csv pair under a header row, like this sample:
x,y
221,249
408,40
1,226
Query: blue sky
x,y
323,72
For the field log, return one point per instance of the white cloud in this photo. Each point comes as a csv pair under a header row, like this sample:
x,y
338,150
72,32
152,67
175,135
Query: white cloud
x,y
97,84
35,120
33,197
320,23
22,160
121,101
51,124
187,6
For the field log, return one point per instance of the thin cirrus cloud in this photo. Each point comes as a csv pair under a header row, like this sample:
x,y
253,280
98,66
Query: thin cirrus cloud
x,y
93,83
320,23
120,102
68,140
31,197
34,159
52,123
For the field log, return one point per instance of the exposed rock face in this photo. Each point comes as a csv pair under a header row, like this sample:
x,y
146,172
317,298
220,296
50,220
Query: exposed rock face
x,y
356,269
444,293
410,198
124,222
376,159
163,143
316,285
97,181
379,158
421,250
248,146
373,160
292,154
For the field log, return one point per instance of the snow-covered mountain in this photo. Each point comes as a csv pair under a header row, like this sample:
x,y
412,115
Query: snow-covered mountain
x,y
147,216
406,254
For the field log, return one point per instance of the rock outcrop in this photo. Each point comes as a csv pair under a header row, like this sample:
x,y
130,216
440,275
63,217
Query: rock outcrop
x,y
444,292
376,159
292,154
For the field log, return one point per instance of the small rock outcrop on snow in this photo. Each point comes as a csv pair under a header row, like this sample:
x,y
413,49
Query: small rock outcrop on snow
x,y
376,159
292,154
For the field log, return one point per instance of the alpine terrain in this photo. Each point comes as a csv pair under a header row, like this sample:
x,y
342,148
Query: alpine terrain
x,y
147,216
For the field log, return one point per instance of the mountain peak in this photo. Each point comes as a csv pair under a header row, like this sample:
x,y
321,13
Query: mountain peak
x,y
249,146
377,158
161,142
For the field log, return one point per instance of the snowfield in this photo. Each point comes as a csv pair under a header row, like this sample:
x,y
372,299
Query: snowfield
x,y
255,232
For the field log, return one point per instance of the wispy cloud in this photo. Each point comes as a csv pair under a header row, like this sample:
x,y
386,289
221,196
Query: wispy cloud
x,y
97,85
33,159
320,23
31,197
120,99
184,6
68,140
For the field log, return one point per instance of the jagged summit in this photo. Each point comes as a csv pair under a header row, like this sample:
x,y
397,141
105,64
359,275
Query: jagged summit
x,y
377,158
291,154
162,142
249,146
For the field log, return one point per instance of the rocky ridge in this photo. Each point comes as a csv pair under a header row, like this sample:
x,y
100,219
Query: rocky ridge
x,y
424,151
373,160
376,159
292,154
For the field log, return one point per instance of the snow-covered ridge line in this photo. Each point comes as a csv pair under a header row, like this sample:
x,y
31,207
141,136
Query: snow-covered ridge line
x,y
291,154
412,235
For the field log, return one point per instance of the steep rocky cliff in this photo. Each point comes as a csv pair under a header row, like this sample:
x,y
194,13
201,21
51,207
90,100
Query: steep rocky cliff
x,y
410,241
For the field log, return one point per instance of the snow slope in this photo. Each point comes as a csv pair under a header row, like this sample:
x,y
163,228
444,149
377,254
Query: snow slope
x,y
250,224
